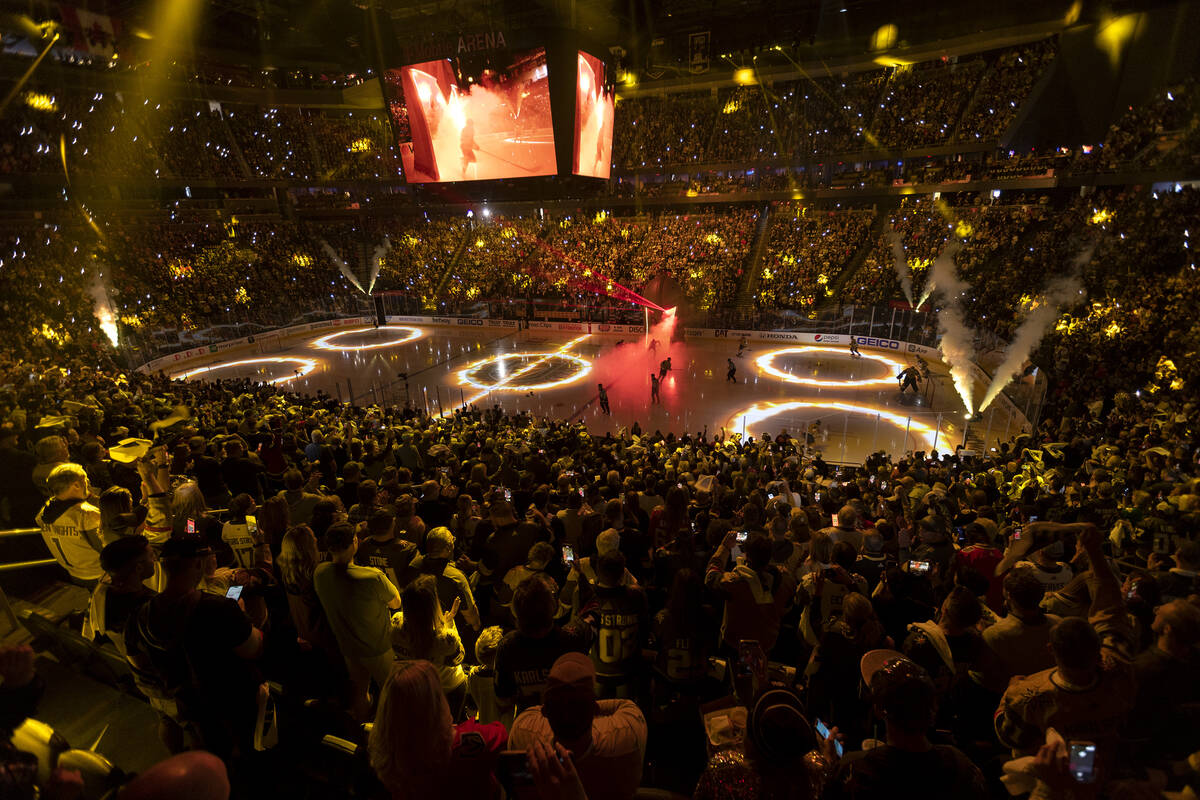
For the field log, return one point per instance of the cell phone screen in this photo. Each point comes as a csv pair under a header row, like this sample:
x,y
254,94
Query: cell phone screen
x,y
823,730
742,536
918,567
191,526
234,593
1083,761
568,554
835,520
508,495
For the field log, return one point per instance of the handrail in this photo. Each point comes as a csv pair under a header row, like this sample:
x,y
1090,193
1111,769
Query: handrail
x,y
17,565
11,532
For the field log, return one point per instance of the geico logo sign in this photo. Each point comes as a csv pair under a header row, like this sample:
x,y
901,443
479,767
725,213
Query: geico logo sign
x,y
470,321
887,344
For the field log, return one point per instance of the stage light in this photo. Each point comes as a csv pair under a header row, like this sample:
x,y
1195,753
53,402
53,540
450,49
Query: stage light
x,y
307,365
410,335
766,361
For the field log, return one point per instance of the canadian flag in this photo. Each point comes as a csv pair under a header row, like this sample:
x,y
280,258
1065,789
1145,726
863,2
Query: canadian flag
x,y
90,32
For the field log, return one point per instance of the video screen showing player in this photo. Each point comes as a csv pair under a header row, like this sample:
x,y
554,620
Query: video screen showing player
x,y
474,121
594,96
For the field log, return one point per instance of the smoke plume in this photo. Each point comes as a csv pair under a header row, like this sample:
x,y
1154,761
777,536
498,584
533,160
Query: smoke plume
x,y
1062,292
900,264
956,336
342,265
377,258
102,308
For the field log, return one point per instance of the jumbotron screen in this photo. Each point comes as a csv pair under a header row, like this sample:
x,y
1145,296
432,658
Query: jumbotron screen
x,y
468,123
593,118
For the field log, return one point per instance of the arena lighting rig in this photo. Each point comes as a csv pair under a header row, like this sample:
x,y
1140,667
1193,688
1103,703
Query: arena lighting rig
x,y
326,342
759,412
766,363
507,384
307,365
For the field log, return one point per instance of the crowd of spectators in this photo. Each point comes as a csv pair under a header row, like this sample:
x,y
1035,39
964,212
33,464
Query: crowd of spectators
x,y
483,582
806,251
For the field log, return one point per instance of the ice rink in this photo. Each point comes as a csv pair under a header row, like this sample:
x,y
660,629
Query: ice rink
x,y
855,402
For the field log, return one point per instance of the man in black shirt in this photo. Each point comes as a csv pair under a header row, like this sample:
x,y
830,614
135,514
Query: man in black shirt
x,y
241,475
908,765
381,549
207,472
202,648
525,656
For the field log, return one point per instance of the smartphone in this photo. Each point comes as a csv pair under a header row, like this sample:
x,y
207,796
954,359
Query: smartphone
x,y
919,567
835,520
1017,533
513,769
742,536
961,533
823,730
871,479
508,495
817,496
1082,761
191,527
234,593
883,484
1033,518
568,555
581,494
770,496
251,525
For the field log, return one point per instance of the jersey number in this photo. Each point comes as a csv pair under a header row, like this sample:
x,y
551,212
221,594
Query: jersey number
x,y
617,645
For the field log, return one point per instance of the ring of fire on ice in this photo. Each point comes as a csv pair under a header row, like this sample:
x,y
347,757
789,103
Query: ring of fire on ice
x,y
511,383
410,335
757,413
766,363
307,365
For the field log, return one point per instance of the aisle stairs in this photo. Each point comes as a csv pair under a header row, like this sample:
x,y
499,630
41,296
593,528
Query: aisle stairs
x,y
752,267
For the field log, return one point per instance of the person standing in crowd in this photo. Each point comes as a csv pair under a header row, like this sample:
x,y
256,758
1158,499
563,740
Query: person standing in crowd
x,y
71,524
607,738
416,749
1020,641
358,602
202,648
756,593
619,617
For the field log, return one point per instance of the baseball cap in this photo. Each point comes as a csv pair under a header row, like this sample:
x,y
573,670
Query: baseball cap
x,y
572,672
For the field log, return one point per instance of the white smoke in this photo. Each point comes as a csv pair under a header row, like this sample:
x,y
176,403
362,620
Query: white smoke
x,y
342,265
956,336
102,307
1060,293
377,258
900,264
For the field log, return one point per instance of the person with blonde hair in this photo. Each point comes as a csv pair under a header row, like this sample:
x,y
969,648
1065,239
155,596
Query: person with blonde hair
x,y
418,752
71,525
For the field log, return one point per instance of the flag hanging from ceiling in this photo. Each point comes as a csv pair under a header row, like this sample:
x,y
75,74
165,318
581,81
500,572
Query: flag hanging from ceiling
x,y
89,32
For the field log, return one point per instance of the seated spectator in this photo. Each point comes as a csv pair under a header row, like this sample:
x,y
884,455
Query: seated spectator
x,y
607,738
416,749
358,602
